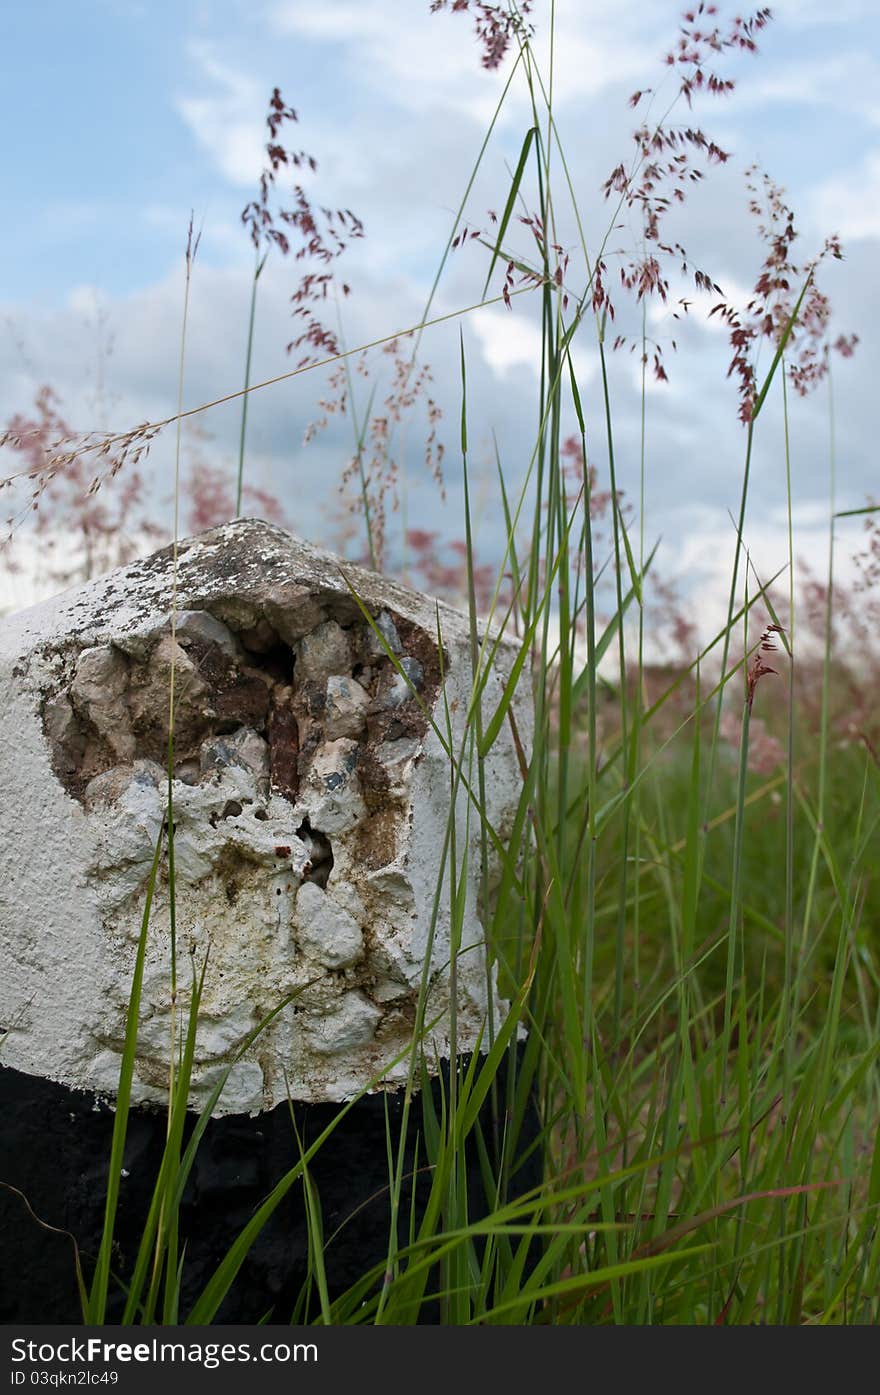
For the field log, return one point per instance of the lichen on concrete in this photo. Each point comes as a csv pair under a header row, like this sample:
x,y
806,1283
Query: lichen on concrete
x,y
310,798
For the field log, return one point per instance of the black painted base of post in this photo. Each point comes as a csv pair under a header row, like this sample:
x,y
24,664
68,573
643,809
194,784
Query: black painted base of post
x,y
54,1150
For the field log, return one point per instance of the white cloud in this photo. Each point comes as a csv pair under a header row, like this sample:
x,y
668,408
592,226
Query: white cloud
x,y
228,124
700,305
701,561
844,82
418,59
84,300
509,341
850,202
414,59
818,13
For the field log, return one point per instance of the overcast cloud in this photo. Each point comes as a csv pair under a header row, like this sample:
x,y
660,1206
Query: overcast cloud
x,y
137,113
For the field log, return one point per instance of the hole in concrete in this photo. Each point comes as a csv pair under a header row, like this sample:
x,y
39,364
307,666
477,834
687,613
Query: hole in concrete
x,y
261,815
261,638
232,679
320,863
278,662
225,726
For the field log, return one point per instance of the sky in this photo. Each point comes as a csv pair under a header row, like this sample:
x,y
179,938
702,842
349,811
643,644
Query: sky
x,y
128,115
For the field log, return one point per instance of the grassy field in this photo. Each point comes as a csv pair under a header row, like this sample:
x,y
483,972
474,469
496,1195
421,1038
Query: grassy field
x,y
684,914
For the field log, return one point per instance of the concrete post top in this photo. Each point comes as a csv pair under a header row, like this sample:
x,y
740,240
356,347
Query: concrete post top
x,y
246,568
311,807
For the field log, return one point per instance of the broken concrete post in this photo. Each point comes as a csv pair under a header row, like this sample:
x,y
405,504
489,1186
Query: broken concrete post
x,y
310,798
